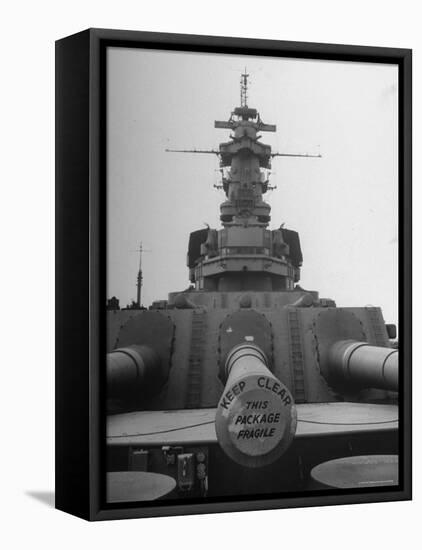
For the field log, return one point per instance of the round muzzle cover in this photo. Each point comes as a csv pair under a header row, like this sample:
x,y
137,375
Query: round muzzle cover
x,y
256,416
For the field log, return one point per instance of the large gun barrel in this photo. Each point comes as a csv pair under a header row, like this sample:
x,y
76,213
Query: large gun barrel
x,y
132,371
364,365
256,416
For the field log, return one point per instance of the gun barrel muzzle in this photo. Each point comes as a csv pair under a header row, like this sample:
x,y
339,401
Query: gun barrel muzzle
x,y
132,370
364,365
256,415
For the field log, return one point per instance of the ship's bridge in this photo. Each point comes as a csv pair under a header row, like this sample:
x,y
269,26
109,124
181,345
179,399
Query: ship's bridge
x,y
244,257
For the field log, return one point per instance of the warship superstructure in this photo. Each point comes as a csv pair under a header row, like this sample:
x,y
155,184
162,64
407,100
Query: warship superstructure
x,y
246,383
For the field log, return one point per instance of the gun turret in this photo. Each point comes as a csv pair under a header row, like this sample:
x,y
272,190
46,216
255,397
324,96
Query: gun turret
x,y
363,365
256,416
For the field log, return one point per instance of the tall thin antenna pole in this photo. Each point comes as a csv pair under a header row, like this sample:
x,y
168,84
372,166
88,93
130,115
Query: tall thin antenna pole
x,y
139,279
244,89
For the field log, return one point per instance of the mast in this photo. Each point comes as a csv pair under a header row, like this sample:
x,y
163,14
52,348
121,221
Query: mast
x,y
245,254
139,279
244,89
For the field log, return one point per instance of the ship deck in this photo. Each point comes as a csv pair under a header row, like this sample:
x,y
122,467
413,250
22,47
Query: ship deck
x,y
175,427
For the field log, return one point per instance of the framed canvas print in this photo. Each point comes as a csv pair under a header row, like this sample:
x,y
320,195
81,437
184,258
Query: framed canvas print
x,y
233,274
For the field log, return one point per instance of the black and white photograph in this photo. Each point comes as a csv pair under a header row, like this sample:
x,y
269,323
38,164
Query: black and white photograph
x,y
210,275
252,277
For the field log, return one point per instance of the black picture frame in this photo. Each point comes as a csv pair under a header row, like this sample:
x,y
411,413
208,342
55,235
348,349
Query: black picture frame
x,y
80,267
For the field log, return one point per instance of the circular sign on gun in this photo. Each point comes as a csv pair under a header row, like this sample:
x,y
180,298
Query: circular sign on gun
x,y
256,416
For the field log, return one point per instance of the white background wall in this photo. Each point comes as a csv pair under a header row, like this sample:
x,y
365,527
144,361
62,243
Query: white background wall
x,y
27,275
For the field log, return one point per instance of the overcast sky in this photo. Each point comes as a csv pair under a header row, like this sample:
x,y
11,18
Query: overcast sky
x,y
344,205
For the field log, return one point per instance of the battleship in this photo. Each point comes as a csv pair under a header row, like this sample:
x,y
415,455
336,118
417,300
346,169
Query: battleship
x,y
245,383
